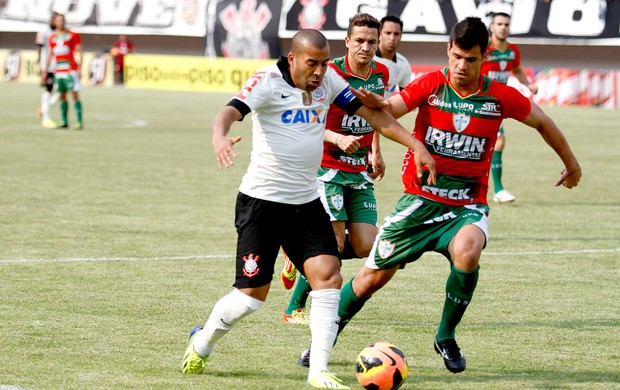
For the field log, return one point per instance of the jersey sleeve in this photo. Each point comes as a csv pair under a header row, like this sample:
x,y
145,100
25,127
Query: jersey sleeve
x,y
405,74
340,94
255,93
516,105
517,61
415,93
40,39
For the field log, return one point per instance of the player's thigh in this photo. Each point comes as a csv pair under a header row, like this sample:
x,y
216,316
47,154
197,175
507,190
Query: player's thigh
x,y
76,86
361,205
308,233
362,236
465,235
258,240
404,236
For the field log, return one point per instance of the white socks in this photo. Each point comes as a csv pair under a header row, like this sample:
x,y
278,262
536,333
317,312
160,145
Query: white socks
x,y
229,310
324,328
47,101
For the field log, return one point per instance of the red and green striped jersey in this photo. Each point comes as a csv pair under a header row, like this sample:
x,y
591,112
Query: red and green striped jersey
x,y
342,123
460,133
499,64
63,49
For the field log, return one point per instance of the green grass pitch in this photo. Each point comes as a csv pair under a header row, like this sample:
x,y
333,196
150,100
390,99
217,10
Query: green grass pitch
x,y
116,240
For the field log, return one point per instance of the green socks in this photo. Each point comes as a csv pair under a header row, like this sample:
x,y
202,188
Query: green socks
x,y
349,305
78,110
496,171
64,108
300,295
460,288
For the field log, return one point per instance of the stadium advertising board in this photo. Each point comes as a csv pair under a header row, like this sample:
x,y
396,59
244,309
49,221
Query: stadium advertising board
x,y
23,66
595,22
533,21
131,17
243,29
187,73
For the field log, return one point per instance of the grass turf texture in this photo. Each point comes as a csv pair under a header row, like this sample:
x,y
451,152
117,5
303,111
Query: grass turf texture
x,y
133,229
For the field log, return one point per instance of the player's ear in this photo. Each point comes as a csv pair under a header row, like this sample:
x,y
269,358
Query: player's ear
x,y
290,58
485,55
448,49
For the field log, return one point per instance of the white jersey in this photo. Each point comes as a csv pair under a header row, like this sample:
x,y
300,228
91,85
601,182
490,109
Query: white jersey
x,y
288,128
400,73
42,40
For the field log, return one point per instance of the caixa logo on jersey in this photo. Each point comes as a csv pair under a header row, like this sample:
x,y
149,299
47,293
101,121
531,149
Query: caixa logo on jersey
x,y
98,69
12,65
303,116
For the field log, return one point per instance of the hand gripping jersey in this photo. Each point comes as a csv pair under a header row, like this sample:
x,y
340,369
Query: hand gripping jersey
x,y
288,126
63,46
460,133
400,73
342,123
499,64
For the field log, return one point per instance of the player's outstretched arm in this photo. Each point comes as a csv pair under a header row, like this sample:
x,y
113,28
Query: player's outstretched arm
x,y
550,132
394,105
223,145
389,127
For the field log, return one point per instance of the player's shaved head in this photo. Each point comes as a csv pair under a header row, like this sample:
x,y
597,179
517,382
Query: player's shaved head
x,y
308,59
308,38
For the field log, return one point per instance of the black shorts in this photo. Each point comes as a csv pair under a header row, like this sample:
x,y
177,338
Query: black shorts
x,y
303,231
49,82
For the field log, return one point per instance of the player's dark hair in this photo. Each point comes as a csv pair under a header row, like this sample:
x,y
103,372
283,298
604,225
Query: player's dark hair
x,y
503,14
469,33
393,19
363,20
310,37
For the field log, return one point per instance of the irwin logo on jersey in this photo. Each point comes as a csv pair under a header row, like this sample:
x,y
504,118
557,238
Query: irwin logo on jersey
x,y
455,145
303,116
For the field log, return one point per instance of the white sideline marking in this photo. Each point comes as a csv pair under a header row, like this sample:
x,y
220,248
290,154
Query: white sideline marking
x,y
232,256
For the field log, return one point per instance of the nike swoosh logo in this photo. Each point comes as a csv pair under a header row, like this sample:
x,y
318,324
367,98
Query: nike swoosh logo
x,y
286,96
224,322
391,358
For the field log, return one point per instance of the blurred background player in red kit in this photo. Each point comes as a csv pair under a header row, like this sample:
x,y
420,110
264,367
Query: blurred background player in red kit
x,y
120,48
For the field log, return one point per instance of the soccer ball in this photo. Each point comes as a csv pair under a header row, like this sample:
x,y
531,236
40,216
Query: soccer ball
x,y
381,366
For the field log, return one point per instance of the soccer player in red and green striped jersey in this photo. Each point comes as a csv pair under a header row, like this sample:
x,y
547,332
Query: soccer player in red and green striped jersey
x,y
503,58
66,48
460,112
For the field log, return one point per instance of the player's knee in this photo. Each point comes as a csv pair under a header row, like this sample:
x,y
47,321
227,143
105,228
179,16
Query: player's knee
x,y
466,257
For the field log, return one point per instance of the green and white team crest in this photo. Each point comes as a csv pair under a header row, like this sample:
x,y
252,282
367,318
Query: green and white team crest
x,y
337,201
502,65
385,249
460,121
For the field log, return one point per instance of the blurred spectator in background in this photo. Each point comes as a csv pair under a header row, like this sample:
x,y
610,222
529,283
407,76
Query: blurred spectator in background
x,y
120,48
48,99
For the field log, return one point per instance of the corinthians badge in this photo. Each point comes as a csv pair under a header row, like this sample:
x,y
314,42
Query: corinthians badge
x,y
307,97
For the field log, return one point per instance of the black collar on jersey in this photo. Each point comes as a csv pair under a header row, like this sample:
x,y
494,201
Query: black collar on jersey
x,y
378,54
285,68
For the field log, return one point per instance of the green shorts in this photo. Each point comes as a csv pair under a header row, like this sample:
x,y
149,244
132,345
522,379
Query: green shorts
x,y
348,196
419,225
67,82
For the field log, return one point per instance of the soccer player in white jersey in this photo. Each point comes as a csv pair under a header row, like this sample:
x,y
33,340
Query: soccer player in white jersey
x,y
278,203
390,34
49,97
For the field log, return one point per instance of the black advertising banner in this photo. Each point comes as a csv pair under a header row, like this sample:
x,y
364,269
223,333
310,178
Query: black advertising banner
x,y
243,28
595,22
